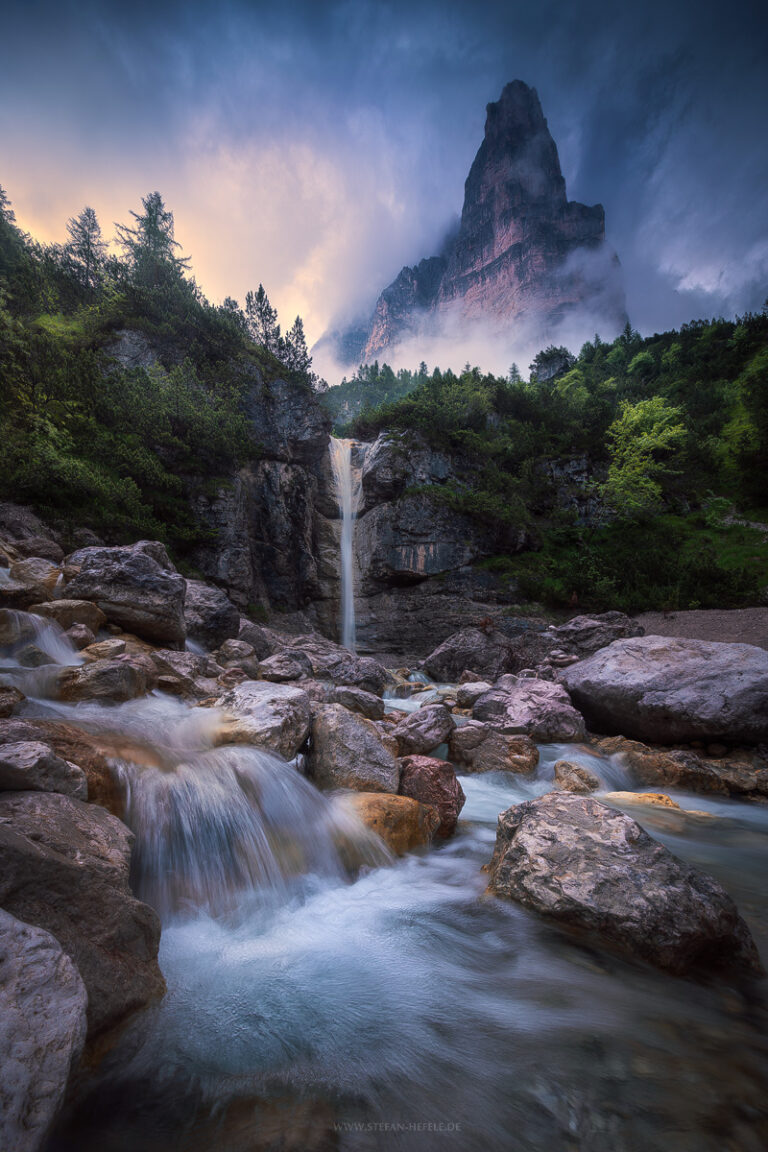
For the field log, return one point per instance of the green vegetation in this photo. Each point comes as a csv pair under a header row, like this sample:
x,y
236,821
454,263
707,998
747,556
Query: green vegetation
x,y
90,438
669,433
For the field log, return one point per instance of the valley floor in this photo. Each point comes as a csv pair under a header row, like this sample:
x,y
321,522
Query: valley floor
x,y
729,626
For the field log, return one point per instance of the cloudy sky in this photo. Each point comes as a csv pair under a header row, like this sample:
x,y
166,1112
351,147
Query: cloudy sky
x,y
319,146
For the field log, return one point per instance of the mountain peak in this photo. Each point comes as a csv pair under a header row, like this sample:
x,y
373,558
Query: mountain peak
x,y
522,253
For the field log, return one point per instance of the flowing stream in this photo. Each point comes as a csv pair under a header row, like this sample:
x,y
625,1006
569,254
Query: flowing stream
x,y
322,996
348,480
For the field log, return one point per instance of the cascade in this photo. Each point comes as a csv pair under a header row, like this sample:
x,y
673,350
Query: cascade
x,y
349,488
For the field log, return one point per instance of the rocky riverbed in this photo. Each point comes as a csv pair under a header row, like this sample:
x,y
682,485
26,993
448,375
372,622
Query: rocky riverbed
x,y
258,891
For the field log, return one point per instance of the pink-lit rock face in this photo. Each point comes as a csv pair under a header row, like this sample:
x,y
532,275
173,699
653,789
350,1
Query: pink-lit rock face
x,y
523,251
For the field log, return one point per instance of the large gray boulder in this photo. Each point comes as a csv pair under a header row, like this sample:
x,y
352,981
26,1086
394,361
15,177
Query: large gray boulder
x,y
665,689
29,581
488,653
274,716
529,707
43,1004
347,752
32,766
592,868
64,868
584,635
209,614
135,586
424,730
111,681
332,662
477,748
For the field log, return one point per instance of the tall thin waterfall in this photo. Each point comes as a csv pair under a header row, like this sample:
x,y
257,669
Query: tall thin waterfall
x,y
348,491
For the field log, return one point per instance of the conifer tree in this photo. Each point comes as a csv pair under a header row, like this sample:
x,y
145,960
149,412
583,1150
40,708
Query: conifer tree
x,y
151,246
261,318
86,249
296,355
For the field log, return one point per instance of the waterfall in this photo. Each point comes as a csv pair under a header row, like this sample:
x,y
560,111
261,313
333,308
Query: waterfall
x,y
348,480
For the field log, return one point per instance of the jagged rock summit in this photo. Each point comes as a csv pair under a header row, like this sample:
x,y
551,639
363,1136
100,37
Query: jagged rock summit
x,y
524,255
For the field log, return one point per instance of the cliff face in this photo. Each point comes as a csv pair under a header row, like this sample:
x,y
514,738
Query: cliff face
x,y
523,251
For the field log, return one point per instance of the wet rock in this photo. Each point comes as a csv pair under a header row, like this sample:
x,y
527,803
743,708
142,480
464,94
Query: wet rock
x,y
29,581
424,730
32,766
64,868
535,708
233,651
263,640
80,636
433,782
111,681
30,656
652,799
594,869
740,774
486,653
105,649
75,746
275,716
665,689
42,1031
402,823
69,612
347,752
468,692
179,672
332,662
210,615
575,778
356,700
136,587
477,748
288,665
11,700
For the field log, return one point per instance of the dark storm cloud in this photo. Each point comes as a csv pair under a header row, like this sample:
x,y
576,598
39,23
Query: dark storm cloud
x,y
319,146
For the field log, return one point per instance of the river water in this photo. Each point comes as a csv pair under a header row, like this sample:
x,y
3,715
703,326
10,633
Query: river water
x,y
322,996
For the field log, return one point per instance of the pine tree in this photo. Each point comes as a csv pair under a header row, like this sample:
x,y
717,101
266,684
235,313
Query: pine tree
x,y
151,246
296,355
86,250
261,318
514,376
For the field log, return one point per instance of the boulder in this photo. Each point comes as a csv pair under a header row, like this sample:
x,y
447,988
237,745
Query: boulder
x,y
74,746
110,681
43,1003
287,665
592,868
531,707
29,582
470,691
486,653
356,700
347,752
739,774
69,612
233,651
64,868
652,799
275,716
80,636
209,614
575,778
136,587
11,700
179,672
424,730
666,689
32,766
332,662
105,649
477,748
584,635
402,823
263,640
433,782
